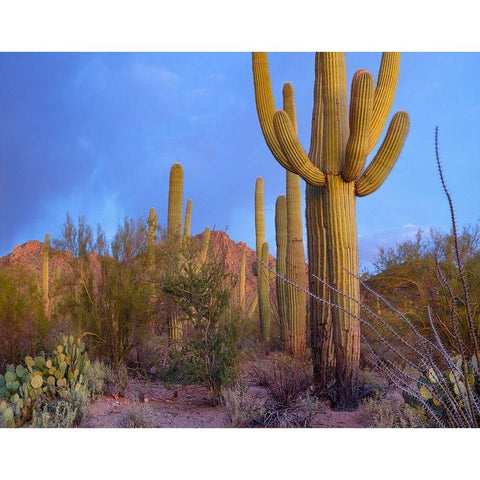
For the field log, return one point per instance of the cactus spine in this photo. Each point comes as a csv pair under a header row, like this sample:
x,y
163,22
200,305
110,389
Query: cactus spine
x,y
334,171
45,275
188,221
262,271
152,237
281,264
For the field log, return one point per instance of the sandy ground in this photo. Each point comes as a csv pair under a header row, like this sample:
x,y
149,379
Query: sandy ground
x,y
152,405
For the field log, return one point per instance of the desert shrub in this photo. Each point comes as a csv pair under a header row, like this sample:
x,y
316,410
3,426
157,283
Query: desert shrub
x,y
371,382
138,416
207,353
67,411
285,378
244,410
23,326
115,379
381,412
287,381
108,291
95,379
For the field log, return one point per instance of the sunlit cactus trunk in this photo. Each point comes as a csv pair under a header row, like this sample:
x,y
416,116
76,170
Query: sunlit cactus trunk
x,y
188,221
281,266
262,271
341,140
174,233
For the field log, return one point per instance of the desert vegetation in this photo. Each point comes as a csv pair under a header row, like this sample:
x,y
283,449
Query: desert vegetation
x,y
158,327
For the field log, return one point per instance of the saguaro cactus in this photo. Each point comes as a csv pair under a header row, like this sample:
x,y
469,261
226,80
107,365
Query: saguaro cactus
x,y
174,230
262,271
296,299
335,176
263,279
202,257
281,264
45,275
188,221
175,202
152,237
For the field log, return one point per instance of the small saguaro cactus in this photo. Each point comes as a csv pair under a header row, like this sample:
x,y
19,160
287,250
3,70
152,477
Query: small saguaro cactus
x,y
152,237
188,221
281,264
45,275
202,257
341,139
262,271
263,279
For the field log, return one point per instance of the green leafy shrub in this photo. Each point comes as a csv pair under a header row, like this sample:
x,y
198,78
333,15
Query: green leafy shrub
x,y
207,353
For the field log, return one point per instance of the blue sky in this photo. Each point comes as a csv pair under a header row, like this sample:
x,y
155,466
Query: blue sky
x,y
96,134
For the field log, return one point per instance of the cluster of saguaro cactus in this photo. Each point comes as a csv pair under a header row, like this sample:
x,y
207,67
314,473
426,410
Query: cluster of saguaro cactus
x,y
43,375
341,140
262,271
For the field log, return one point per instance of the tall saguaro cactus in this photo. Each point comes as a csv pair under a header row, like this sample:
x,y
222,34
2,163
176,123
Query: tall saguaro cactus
x,y
175,202
341,139
281,265
45,275
262,271
174,230
296,299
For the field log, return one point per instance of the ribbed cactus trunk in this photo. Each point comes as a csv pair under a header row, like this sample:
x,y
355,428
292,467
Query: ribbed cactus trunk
x,y
45,275
341,140
174,232
281,266
297,314
202,257
188,221
262,271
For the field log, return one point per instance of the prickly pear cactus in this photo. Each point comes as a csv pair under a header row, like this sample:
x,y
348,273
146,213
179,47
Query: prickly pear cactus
x,y
42,376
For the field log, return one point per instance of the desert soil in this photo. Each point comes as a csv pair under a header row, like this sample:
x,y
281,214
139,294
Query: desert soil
x,y
190,407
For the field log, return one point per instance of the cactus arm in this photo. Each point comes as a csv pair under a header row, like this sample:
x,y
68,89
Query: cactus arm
x,y
266,106
361,104
294,151
384,94
381,165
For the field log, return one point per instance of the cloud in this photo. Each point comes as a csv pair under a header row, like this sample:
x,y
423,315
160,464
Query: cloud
x,y
370,243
